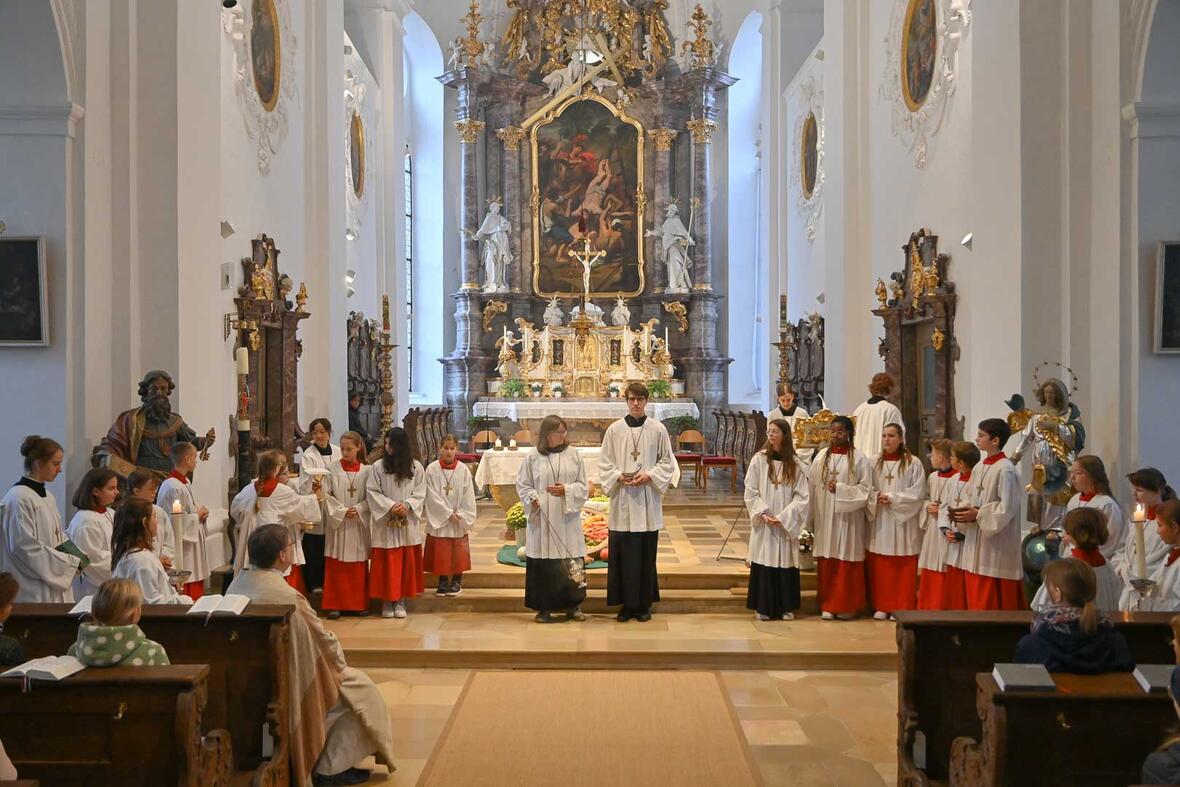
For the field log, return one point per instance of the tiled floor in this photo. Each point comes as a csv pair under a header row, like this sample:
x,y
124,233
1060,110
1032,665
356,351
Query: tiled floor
x,y
803,728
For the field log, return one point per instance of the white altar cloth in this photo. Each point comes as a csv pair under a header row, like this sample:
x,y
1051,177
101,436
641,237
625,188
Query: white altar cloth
x,y
519,410
499,468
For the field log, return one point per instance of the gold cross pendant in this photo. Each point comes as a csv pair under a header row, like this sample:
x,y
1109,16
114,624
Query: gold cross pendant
x,y
889,478
447,489
635,454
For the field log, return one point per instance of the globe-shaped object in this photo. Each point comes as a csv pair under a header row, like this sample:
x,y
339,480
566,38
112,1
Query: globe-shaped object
x,y
1037,551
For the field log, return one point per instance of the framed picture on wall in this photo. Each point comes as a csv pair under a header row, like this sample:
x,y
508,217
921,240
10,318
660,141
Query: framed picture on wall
x,y
1167,298
24,297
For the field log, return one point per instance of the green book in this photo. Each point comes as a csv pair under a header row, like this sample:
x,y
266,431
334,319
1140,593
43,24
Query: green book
x,y
70,548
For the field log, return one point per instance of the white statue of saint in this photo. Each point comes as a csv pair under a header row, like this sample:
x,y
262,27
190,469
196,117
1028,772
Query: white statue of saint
x,y
553,313
506,357
496,252
674,242
456,53
620,315
593,311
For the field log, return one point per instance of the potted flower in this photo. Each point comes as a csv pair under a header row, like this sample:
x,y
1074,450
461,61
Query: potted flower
x,y
613,390
659,389
536,388
513,388
515,521
557,389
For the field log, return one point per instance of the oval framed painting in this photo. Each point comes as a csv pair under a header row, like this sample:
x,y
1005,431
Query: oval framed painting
x,y
919,52
809,155
266,50
356,153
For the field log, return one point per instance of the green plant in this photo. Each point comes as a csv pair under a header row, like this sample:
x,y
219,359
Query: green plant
x,y
513,386
515,518
659,389
476,423
681,423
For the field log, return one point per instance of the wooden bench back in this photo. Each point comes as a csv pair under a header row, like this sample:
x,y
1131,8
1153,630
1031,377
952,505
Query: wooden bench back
x,y
939,654
117,726
247,658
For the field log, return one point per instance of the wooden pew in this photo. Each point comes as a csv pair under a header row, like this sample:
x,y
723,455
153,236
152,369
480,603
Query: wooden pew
x,y
117,726
939,654
248,668
1095,729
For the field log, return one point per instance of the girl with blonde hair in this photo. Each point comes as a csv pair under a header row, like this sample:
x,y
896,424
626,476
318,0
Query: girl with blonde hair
x,y
114,638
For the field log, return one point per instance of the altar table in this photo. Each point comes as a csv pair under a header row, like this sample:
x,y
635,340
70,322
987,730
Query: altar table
x,y
520,410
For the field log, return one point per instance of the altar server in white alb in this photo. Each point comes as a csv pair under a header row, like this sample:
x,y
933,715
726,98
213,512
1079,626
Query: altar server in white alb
x,y
787,409
396,490
990,553
964,459
142,484
840,481
1151,490
635,468
552,488
346,550
1085,532
178,489
1088,476
450,515
32,529
872,416
92,527
1165,596
132,557
319,456
776,497
272,500
895,510
932,558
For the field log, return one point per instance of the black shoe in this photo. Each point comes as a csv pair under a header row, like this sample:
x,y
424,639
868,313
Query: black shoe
x,y
543,617
350,776
444,587
624,615
364,613
333,614
456,587
643,616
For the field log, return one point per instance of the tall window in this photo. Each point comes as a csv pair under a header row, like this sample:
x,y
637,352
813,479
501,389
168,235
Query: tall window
x,y
409,186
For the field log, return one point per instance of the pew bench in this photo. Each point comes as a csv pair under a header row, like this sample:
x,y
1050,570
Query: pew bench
x,y
939,655
117,726
1093,730
248,665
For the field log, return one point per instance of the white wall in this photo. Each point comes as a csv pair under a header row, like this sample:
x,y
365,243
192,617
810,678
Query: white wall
x,y
364,252
805,258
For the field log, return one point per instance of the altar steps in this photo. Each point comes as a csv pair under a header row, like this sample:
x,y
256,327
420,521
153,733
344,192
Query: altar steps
x,y
670,579
499,600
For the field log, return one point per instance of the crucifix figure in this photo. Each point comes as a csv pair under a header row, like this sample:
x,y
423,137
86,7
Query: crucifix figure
x,y
588,258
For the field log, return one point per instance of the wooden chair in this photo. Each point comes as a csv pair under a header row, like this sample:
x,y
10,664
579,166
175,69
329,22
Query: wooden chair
x,y
690,451
724,459
523,437
486,437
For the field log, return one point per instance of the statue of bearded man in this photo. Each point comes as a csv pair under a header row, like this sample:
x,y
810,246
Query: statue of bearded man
x,y
143,437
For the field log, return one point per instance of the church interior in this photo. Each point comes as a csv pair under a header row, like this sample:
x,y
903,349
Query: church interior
x,y
835,305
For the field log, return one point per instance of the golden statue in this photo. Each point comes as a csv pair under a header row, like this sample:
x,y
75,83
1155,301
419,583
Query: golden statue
x,y
882,295
657,43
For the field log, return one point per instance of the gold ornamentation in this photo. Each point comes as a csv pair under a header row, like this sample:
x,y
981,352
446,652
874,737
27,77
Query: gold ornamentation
x,y
816,431
472,47
301,297
640,200
677,310
469,129
490,310
535,199
663,138
510,136
898,291
937,340
700,50
262,283
701,128
656,54
516,43
882,295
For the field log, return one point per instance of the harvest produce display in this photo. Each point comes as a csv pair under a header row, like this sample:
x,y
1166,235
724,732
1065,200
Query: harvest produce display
x,y
594,529
515,518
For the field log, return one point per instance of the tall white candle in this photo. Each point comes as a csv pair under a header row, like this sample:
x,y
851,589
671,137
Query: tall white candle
x,y
243,358
178,535
1140,521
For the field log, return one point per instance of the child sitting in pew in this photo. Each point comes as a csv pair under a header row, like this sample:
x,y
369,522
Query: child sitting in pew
x,y
11,653
1071,634
115,637
1162,766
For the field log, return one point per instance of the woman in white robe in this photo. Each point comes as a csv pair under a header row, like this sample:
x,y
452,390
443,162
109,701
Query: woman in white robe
x,y
1088,476
319,456
873,415
894,510
92,527
396,491
450,515
346,550
132,557
552,487
777,498
270,500
1151,490
1165,595
31,529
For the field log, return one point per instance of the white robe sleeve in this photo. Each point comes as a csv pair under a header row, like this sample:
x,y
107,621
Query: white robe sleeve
x,y
796,512
293,508
997,515
88,533
609,469
577,491
854,497
526,483
333,508
379,503
243,503
35,557
665,466
416,501
466,508
755,478
438,509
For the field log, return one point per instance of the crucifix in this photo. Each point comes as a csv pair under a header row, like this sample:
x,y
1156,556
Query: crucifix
x,y
588,259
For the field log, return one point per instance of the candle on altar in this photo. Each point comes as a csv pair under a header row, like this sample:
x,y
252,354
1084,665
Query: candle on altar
x,y
665,338
512,443
499,444
782,312
385,312
1139,518
178,535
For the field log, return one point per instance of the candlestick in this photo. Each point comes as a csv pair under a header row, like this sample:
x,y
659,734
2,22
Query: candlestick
x,y
243,367
499,445
177,536
665,338
1140,522
385,312
512,443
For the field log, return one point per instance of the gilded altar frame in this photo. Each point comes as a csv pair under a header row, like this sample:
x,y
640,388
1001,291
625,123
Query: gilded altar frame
x,y
640,196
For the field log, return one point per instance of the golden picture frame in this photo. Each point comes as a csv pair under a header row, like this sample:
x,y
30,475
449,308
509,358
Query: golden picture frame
x,y
356,153
809,155
266,52
919,52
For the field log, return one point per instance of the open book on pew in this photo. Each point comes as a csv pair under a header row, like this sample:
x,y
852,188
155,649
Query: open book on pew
x,y
1023,677
230,603
82,607
47,668
1154,678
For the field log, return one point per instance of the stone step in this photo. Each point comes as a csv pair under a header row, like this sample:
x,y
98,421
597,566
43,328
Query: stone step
x,y
680,579
512,600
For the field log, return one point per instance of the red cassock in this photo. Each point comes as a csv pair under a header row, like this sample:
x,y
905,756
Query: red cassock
x,y
194,590
931,588
841,585
396,573
985,592
295,579
893,581
954,589
345,586
446,557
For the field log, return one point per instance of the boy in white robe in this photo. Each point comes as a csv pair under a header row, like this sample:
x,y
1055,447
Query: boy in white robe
x,y
958,490
1150,489
872,416
450,515
177,488
92,527
932,558
895,509
635,468
991,556
348,540
30,529
777,498
840,481
396,490
320,455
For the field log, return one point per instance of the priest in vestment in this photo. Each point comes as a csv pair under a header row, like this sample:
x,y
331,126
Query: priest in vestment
x,y
636,467
338,716
840,480
873,415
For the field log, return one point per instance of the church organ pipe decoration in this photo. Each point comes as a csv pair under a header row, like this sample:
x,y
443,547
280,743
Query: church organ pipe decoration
x,y
920,347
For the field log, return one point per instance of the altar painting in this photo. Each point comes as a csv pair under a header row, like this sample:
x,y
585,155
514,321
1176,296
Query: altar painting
x,y
919,52
587,170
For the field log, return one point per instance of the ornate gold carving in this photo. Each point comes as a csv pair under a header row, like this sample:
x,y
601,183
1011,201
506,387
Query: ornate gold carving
x,y
882,295
469,129
663,138
677,310
490,310
535,199
510,136
937,340
816,431
516,43
701,129
700,50
640,200
301,297
656,55
472,47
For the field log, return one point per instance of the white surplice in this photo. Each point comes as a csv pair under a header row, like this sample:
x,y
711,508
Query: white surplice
x,y
776,546
449,492
1107,599
797,412
284,506
1165,596
636,509
163,545
839,520
348,539
1116,522
940,490
384,491
871,419
554,531
31,531
896,529
91,531
992,545
312,459
959,494
1156,551
195,559
144,568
